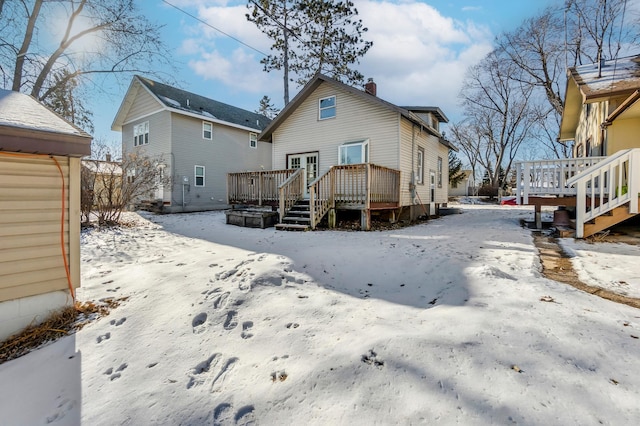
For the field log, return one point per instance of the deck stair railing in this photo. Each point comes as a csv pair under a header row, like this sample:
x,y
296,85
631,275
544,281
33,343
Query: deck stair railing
x,y
606,185
258,187
355,186
290,191
549,177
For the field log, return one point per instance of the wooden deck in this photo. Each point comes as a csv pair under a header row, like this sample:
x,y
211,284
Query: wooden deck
x,y
595,186
363,187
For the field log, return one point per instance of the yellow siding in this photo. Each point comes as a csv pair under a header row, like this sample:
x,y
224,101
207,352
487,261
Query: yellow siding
x,y
623,134
30,210
355,120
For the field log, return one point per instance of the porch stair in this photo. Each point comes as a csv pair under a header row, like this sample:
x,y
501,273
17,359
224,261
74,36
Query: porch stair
x,y
298,218
599,223
607,220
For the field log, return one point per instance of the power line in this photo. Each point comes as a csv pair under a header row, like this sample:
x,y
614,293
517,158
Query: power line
x,y
217,29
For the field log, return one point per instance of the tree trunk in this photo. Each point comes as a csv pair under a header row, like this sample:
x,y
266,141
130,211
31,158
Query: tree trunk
x,y
26,42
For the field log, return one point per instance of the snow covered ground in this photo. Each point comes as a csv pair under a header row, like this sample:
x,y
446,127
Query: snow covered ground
x,y
437,323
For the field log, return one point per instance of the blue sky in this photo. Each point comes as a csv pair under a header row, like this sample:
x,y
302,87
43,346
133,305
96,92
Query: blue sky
x,y
420,54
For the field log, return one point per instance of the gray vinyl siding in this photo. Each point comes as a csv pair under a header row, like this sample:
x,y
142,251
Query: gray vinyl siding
x,y
31,259
228,151
355,120
144,105
159,140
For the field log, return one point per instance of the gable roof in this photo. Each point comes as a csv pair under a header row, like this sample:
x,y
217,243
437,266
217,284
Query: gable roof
x,y
314,83
595,83
28,126
190,104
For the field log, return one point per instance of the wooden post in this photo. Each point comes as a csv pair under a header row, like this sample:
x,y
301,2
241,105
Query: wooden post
x,y
581,207
538,216
633,180
260,177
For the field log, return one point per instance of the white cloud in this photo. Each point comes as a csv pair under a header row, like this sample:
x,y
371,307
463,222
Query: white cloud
x,y
419,56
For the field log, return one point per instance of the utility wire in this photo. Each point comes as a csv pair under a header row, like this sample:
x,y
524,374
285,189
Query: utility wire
x,y
217,29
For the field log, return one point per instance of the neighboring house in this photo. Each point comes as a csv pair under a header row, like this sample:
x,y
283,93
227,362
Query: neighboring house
x,y
465,187
101,183
40,211
602,118
199,140
355,151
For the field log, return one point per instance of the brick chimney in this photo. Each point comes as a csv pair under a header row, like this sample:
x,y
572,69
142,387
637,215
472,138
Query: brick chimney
x,y
107,157
370,87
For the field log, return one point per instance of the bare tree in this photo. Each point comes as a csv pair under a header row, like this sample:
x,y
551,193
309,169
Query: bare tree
x,y
110,186
542,47
97,37
498,117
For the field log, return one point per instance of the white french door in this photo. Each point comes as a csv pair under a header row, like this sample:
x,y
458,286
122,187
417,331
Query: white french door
x,y
308,162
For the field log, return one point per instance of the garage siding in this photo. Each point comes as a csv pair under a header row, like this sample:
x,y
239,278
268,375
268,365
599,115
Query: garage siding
x,y
31,259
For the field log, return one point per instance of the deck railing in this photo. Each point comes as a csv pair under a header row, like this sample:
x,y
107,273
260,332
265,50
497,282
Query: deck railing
x,y
355,186
606,185
290,191
321,197
260,187
549,177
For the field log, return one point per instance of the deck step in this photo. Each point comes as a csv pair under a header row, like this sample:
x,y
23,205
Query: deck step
x,y
292,227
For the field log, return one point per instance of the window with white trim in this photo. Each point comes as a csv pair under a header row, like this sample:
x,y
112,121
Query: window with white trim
x,y
141,134
420,167
353,152
198,176
207,130
253,140
439,172
327,108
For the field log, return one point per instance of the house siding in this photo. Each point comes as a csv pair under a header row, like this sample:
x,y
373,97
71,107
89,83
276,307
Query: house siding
x,y
591,116
144,105
227,151
159,140
355,120
409,154
31,262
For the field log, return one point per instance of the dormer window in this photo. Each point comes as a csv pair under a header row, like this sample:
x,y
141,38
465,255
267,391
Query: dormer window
x,y
207,130
327,108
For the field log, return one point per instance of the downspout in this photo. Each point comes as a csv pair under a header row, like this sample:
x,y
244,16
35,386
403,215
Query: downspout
x,y
412,182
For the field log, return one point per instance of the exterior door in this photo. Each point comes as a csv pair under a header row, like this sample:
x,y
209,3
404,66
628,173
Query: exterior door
x,y
432,192
309,162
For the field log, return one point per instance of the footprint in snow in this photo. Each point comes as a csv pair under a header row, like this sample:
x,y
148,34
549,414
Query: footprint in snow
x,y
102,337
64,408
117,373
198,322
218,381
118,322
247,325
198,375
232,320
220,302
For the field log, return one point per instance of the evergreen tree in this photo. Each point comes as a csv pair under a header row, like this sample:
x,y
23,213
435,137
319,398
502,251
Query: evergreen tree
x,y
455,169
267,109
311,36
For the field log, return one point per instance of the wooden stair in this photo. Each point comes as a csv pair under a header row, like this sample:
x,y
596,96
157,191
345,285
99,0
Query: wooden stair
x,y
615,216
297,219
